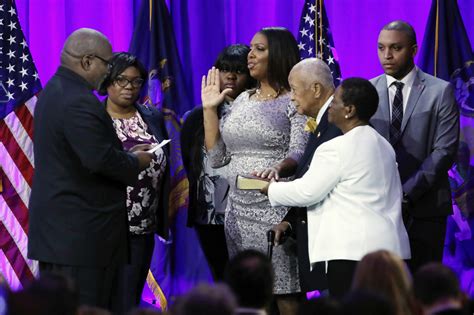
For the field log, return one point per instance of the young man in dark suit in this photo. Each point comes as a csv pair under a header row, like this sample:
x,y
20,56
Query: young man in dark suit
x,y
418,114
312,91
78,223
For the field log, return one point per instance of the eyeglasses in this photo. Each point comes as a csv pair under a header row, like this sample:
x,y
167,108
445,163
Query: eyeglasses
x,y
108,63
123,82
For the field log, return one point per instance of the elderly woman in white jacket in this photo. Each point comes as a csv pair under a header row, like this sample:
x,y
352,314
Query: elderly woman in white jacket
x,y
352,190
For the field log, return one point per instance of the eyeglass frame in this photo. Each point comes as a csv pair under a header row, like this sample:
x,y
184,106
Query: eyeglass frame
x,y
129,81
108,63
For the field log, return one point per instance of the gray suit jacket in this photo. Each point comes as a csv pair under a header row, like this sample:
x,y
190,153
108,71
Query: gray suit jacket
x,y
428,145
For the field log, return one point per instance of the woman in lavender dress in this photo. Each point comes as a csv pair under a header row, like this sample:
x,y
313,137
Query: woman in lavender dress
x,y
147,200
261,134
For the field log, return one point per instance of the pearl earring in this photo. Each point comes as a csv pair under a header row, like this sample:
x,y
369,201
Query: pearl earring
x,y
346,117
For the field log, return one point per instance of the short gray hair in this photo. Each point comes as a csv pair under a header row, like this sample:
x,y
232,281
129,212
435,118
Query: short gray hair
x,y
315,70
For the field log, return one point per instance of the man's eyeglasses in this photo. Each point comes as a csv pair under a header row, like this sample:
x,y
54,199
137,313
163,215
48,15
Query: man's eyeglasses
x,y
123,82
108,63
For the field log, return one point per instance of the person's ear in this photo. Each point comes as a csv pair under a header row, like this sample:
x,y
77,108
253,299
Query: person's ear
x,y
317,89
86,62
414,50
350,111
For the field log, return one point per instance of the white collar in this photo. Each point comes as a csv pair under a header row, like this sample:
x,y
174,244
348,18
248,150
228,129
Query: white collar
x,y
407,80
323,109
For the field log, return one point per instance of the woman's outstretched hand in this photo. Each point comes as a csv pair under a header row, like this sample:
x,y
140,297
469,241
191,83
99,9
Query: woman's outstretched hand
x,y
271,173
211,95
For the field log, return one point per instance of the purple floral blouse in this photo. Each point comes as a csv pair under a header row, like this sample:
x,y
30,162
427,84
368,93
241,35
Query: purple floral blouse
x,y
142,198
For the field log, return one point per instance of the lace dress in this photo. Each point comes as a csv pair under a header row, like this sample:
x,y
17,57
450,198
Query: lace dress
x,y
256,135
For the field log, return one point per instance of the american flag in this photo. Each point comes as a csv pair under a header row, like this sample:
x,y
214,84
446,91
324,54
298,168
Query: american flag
x,y
19,84
315,38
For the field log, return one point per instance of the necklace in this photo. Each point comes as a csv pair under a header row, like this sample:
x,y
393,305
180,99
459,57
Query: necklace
x,y
260,96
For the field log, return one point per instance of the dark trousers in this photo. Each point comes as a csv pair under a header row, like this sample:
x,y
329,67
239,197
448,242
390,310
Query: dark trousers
x,y
339,275
213,244
310,279
94,284
132,276
426,241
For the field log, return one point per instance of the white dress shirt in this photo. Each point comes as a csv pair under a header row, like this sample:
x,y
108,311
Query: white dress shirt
x,y
407,85
353,194
323,109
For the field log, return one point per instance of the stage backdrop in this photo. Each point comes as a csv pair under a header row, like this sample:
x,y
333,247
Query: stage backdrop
x,y
204,27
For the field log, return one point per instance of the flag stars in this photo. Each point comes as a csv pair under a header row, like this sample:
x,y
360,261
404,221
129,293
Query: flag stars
x,y
12,11
35,75
10,82
23,43
304,32
312,8
11,54
301,46
24,58
10,68
311,22
23,72
311,36
307,18
10,95
330,60
12,26
1,22
23,86
322,41
1,7
12,39
310,50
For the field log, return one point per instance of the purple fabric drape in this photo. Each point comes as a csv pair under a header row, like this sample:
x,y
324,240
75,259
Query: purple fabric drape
x,y
204,27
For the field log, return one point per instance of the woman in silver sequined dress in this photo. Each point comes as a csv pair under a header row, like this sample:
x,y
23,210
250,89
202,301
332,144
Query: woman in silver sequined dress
x,y
262,134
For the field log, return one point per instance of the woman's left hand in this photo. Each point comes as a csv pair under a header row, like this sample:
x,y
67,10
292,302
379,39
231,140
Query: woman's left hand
x,y
269,173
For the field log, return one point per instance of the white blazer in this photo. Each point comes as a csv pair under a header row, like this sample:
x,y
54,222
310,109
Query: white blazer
x,y
353,194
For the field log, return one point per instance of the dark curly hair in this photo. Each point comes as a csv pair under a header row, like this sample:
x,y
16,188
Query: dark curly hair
x,y
120,62
362,94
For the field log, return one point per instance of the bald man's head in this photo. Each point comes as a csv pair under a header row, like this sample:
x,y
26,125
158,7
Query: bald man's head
x,y
311,85
86,52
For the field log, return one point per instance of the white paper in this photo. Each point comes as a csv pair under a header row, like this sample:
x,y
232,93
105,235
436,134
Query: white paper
x,y
162,143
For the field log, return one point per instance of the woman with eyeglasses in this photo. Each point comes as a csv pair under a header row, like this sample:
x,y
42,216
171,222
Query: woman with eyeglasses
x,y
147,200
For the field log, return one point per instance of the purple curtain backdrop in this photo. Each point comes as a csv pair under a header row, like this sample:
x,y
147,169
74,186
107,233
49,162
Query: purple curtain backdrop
x,y
204,27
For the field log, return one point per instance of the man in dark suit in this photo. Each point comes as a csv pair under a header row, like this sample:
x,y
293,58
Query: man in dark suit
x,y
418,114
312,90
78,223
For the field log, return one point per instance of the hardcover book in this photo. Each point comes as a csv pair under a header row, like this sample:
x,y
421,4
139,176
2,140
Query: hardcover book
x,y
250,182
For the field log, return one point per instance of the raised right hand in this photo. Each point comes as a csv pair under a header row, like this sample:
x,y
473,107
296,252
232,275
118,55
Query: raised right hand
x,y
211,95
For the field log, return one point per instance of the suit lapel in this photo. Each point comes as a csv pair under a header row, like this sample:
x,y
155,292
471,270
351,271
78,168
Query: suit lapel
x,y
313,142
322,126
384,104
150,120
416,90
